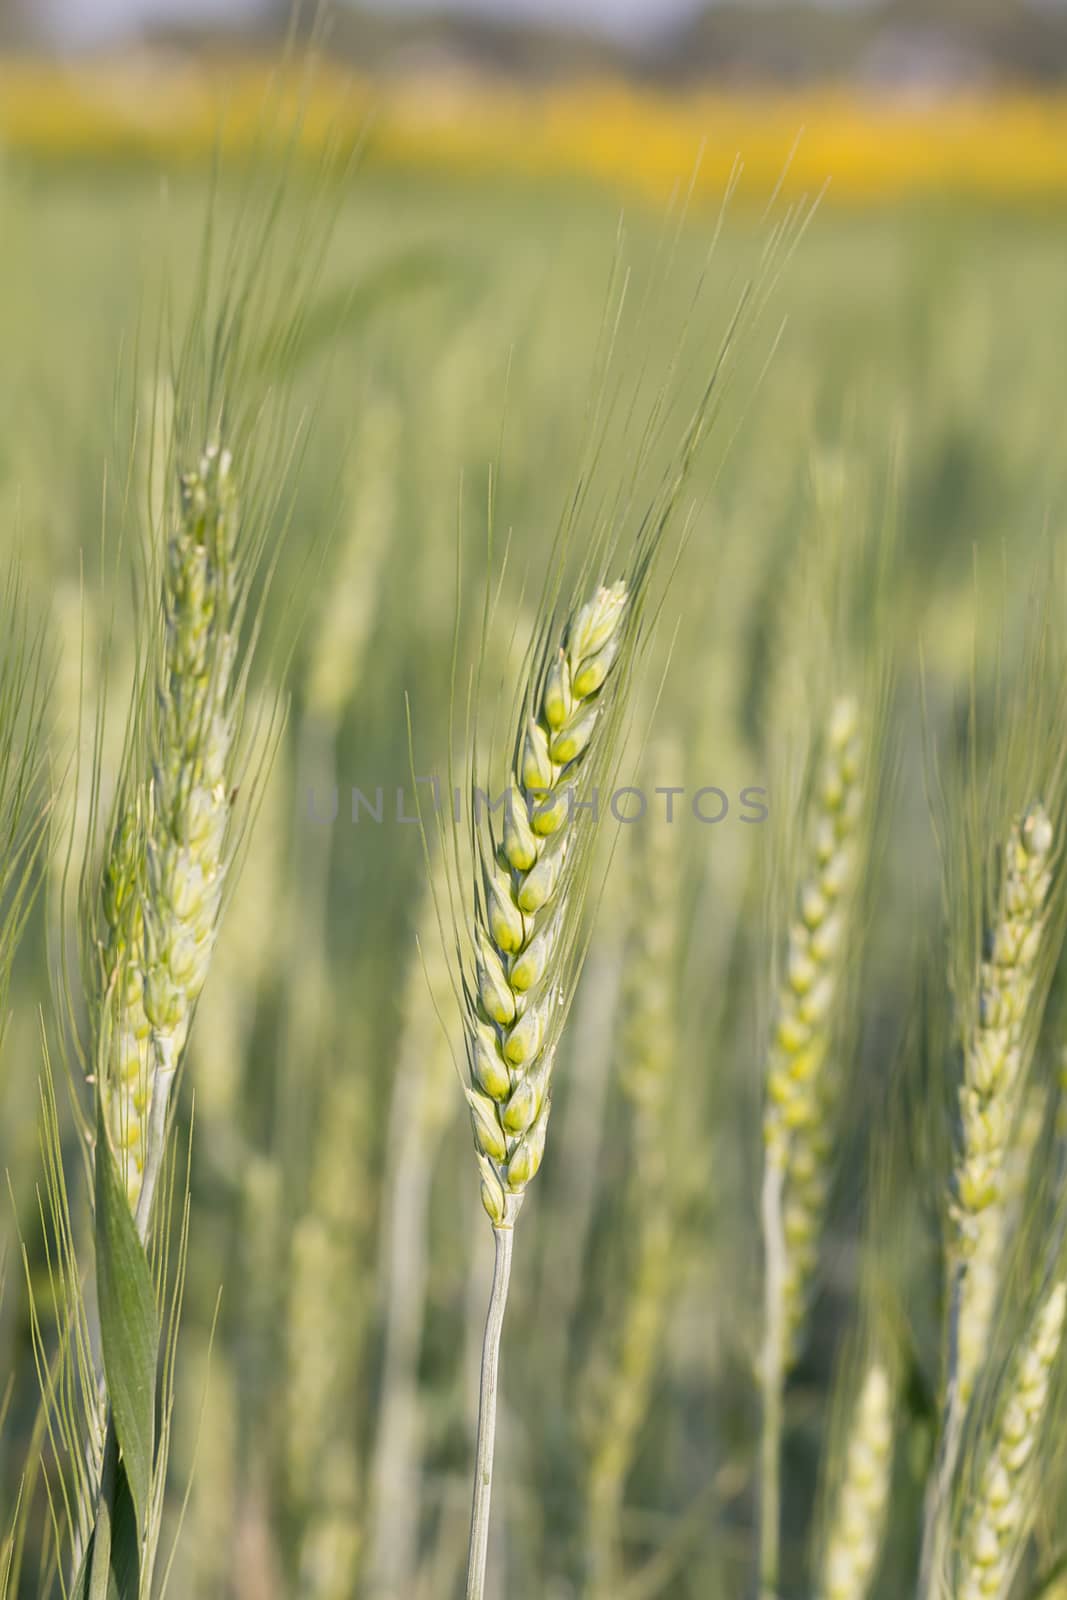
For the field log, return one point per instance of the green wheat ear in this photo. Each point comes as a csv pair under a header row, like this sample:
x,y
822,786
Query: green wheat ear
x,y
220,478
992,1093
165,873
524,923
803,1079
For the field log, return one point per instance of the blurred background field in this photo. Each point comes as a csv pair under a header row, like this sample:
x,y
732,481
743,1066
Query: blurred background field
x,y
339,1258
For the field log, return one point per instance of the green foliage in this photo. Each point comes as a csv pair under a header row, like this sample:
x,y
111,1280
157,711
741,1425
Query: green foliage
x,y
129,1326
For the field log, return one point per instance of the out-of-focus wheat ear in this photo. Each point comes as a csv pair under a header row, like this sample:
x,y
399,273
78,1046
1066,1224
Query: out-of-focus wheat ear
x,y
422,1104
621,1381
859,1506
331,1257
1000,1504
986,1263
331,1551
804,1078
340,635
997,1054
995,1062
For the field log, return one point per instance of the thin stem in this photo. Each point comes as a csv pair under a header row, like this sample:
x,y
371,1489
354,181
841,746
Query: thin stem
x,y
772,1379
937,1498
483,1463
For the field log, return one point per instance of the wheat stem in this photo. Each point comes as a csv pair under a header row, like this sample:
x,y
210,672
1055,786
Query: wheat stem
x,y
490,1374
772,1379
100,1570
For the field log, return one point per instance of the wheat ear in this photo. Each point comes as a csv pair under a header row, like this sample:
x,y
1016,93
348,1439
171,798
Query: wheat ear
x,y
1002,1511
861,1504
996,1057
988,1256
520,910
801,1092
164,877
991,1094
525,924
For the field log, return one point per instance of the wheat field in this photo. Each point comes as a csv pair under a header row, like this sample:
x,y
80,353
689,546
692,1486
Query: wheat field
x,y
441,486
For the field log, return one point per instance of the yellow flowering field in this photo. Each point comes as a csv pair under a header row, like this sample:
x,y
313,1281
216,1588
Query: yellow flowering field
x,y
866,147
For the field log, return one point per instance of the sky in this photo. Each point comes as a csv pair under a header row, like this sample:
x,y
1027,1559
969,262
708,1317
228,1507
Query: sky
x,y
99,19
89,20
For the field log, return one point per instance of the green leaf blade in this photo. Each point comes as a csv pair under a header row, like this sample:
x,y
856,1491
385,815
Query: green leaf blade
x,y
129,1325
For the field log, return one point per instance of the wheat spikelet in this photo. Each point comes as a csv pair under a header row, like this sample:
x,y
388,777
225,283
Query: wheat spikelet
x,y
649,1045
803,1079
861,1505
1000,1514
996,1057
510,1025
986,1263
995,1060
164,876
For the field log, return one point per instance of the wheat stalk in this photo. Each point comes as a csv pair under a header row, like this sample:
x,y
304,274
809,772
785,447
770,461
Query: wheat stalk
x,y
163,879
525,924
802,1085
